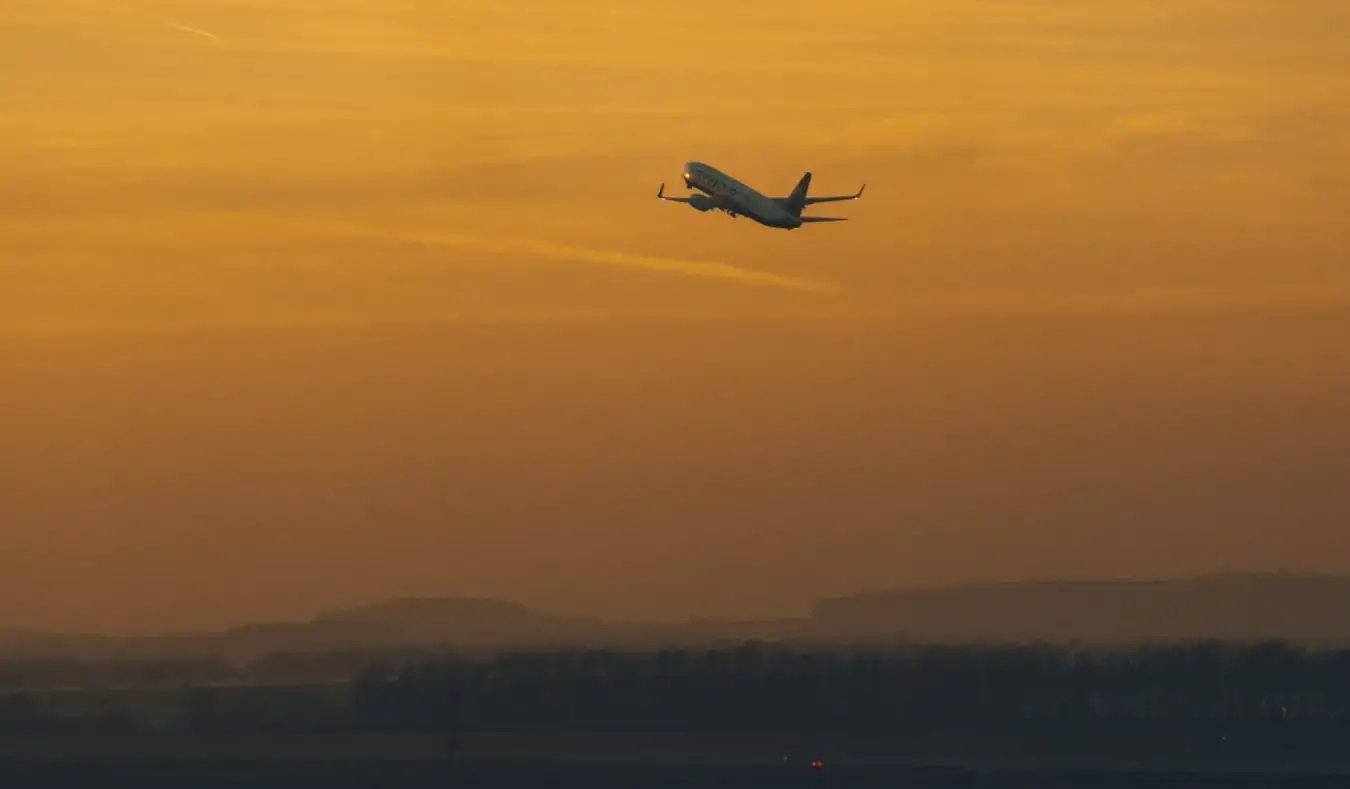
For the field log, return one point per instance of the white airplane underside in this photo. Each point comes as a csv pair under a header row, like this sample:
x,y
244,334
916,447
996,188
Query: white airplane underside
x,y
717,191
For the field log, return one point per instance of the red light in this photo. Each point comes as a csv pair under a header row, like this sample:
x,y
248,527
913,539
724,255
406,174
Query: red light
x,y
817,764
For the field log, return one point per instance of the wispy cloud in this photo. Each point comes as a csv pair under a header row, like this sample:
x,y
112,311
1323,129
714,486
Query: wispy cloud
x,y
549,249
557,251
196,31
70,10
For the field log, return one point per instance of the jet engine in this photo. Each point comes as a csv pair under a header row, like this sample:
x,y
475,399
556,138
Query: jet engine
x,y
702,203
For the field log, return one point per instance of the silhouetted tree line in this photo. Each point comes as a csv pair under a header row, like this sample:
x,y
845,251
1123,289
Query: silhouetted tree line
x,y
766,690
759,689
262,709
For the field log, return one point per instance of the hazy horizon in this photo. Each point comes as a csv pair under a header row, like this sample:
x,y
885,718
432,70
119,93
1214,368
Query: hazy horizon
x,y
805,612
306,305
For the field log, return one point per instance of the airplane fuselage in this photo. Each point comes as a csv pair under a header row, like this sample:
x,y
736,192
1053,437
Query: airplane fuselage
x,y
737,199
718,191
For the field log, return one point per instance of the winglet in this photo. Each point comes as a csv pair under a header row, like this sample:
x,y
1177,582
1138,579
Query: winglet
x,y
860,189
661,192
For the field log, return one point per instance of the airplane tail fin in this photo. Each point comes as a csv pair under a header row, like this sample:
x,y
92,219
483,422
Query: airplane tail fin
x,y
797,200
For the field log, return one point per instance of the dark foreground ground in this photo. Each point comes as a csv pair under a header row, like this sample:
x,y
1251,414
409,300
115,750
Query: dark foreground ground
x,y
203,774
600,761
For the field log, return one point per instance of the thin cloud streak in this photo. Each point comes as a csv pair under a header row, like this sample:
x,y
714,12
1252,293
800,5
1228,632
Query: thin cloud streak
x,y
193,30
101,10
694,268
549,249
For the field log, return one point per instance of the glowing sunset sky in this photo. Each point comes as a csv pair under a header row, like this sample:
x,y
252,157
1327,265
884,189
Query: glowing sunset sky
x,y
310,303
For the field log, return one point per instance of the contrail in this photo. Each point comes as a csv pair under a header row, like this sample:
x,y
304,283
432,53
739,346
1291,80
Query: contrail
x,y
549,249
691,268
694,268
193,30
144,17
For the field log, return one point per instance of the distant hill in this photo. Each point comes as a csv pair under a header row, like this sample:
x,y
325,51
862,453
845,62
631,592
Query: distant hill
x,y
1236,606
425,622
1239,607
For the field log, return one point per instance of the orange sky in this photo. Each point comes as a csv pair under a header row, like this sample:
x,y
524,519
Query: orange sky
x,y
308,303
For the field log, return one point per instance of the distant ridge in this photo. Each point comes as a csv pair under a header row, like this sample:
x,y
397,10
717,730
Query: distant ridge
x,y
1239,606
421,610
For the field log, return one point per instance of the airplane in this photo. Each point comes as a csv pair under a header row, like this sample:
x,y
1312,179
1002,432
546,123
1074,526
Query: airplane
x,y
721,192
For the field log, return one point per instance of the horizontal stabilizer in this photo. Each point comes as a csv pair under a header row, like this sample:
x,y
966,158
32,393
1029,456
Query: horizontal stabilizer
x,y
824,219
816,200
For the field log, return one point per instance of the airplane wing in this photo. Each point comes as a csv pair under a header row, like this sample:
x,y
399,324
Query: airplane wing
x,y
814,200
661,195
